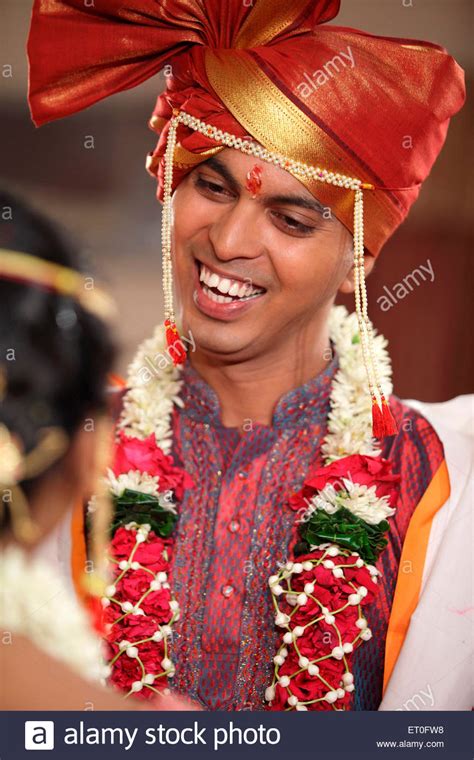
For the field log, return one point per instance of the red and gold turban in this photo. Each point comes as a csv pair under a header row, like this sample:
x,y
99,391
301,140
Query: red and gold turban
x,y
325,95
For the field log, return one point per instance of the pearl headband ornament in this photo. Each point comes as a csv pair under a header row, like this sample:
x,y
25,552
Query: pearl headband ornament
x,y
382,421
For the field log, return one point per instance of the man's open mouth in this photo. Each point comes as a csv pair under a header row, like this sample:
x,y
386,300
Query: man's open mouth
x,y
226,289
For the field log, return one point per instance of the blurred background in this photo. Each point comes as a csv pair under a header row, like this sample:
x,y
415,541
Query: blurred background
x,y
105,197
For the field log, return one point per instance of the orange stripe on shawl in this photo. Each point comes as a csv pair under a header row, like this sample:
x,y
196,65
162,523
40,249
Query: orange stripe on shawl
x,y
412,563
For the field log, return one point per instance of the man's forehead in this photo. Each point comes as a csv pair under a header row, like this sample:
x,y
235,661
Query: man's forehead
x,y
283,187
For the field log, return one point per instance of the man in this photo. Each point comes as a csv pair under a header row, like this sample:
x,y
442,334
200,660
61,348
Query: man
x,y
280,155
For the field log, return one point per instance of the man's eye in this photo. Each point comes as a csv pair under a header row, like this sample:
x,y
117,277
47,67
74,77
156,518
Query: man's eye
x,y
211,188
292,225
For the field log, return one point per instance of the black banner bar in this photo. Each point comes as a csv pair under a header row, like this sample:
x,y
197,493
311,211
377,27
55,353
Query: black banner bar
x,y
293,736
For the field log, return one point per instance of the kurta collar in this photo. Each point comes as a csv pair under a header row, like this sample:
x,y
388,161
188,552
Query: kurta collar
x,y
305,405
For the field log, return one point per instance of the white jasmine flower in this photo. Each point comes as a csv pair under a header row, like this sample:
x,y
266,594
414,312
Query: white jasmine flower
x,y
154,385
282,620
165,500
350,420
133,480
270,693
361,500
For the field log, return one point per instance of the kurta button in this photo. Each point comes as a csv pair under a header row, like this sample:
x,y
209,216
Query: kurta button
x,y
227,591
234,526
242,475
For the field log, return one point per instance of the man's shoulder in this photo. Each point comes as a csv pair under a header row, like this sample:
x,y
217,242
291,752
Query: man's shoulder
x,y
417,450
414,427
455,415
430,433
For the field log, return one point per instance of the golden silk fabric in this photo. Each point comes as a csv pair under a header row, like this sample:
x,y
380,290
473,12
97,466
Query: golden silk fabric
x,y
375,108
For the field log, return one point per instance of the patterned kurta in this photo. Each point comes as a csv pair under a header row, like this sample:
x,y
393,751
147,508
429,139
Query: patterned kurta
x,y
235,529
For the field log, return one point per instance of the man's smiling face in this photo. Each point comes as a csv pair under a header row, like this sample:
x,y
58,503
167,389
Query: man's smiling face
x,y
253,272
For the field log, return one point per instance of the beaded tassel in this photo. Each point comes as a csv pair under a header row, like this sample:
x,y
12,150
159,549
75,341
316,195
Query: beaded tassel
x,y
383,423
390,426
173,341
377,419
382,420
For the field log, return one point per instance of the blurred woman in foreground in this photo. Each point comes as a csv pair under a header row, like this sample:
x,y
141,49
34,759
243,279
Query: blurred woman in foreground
x,y
55,354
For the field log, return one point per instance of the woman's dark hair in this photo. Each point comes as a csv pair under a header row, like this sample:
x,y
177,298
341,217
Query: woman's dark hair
x,y
54,355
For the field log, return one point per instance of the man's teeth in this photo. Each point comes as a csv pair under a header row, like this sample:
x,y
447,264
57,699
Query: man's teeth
x,y
214,297
229,289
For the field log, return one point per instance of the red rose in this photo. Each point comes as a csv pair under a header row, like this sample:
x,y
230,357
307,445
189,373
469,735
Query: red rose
x,y
158,604
132,628
146,456
364,470
133,585
151,553
122,543
126,670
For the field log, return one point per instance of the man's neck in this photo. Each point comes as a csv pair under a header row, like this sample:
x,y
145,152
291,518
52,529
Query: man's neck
x,y
249,391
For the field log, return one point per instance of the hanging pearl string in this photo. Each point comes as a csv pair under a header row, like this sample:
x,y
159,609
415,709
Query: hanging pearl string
x,y
167,222
361,293
365,325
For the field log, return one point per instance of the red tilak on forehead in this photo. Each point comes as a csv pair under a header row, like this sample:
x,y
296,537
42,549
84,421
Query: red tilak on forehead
x,y
254,180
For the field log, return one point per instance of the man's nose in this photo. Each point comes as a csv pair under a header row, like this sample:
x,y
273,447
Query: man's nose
x,y
237,232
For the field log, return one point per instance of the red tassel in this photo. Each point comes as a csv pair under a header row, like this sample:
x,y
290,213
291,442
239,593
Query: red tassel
x,y
389,424
377,420
175,345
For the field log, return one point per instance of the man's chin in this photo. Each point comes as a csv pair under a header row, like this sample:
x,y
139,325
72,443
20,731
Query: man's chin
x,y
219,340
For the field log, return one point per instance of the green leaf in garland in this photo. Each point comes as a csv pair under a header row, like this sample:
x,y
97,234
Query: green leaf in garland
x,y
348,530
134,506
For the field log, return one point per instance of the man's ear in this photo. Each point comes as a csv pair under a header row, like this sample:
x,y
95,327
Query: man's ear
x,y
348,286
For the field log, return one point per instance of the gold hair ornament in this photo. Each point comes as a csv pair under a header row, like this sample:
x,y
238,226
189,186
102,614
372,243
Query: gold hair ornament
x,y
382,421
32,270
15,466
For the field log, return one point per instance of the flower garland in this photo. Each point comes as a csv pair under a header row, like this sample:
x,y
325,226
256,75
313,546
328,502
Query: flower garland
x,y
34,598
319,594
